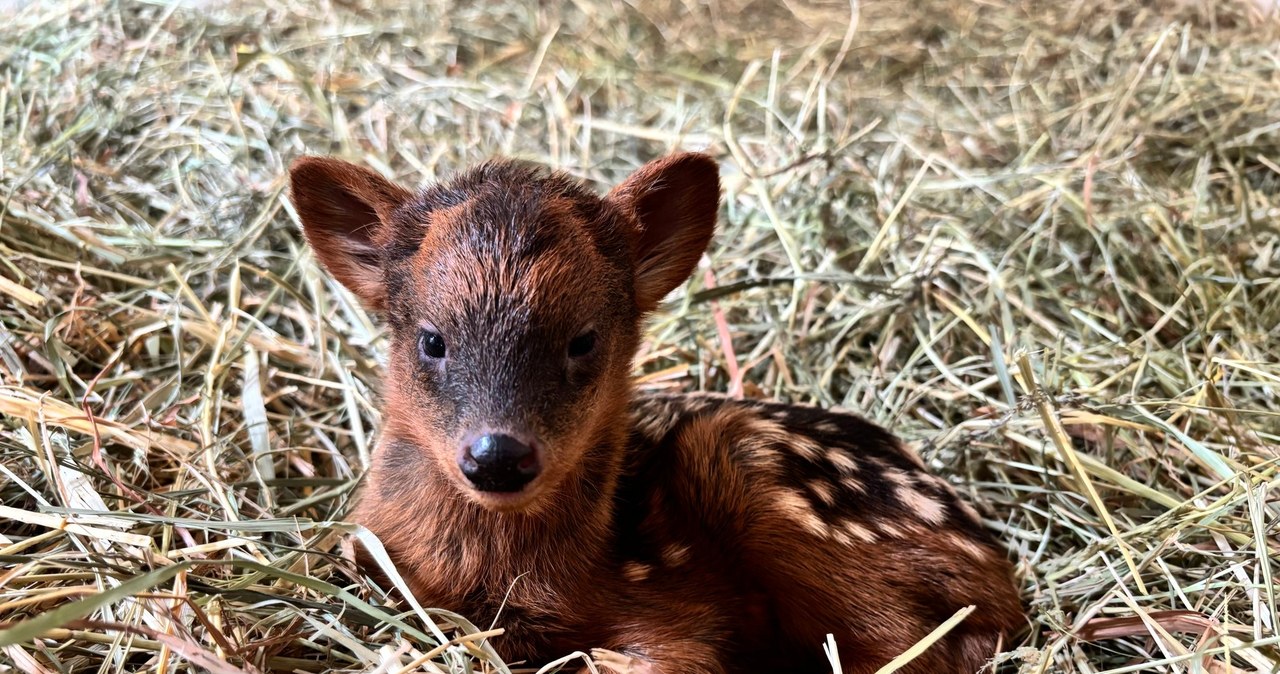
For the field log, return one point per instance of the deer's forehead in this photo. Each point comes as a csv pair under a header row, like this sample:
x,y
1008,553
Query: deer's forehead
x,y
478,259
501,225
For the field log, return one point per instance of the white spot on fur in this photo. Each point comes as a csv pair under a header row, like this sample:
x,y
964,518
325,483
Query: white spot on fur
x,y
636,572
805,447
824,491
828,427
904,490
761,438
794,506
844,463
897,477
927,508
858,531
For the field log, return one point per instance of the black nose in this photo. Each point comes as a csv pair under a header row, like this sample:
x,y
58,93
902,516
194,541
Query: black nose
x,y
499,463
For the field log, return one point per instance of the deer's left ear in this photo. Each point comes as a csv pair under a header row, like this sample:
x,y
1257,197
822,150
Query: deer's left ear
x,y
345,211
674,201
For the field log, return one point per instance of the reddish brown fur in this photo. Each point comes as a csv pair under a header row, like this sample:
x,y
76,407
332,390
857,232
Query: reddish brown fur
x,y
692,534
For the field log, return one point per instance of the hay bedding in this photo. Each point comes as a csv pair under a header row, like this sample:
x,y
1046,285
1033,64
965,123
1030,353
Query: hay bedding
x,y
1039,239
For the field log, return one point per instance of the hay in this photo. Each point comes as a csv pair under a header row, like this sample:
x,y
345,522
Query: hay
x,y
1038,239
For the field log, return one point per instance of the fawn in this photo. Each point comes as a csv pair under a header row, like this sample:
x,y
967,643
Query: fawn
x,y
520,477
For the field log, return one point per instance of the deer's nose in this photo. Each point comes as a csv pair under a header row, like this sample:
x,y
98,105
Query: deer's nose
x,y
497,462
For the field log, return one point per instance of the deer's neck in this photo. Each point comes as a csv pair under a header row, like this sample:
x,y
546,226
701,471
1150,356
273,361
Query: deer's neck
x,y
430,525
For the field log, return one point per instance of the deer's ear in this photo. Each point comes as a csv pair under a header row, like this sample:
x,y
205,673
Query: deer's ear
x,y
346,211
675,200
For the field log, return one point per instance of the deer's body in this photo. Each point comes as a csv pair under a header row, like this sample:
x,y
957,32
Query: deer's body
x,y
519,479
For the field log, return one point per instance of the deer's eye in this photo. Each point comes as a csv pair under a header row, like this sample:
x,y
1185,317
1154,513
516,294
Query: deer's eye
x,y
431,345
583,344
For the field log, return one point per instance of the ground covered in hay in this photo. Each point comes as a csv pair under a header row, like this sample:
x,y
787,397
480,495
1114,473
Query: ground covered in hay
x,y
1041,240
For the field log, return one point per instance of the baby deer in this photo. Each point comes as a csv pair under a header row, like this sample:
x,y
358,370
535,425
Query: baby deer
x,y
520,477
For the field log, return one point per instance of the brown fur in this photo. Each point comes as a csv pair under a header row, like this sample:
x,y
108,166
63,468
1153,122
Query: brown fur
x,y
689,534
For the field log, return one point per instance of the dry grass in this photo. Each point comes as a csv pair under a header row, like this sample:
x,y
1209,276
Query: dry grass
x,y
1039,239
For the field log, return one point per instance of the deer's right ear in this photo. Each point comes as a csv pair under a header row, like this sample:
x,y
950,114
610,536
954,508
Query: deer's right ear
x,y
346,214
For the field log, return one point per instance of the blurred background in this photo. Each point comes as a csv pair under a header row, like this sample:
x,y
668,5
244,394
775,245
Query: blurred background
x,y
1041,240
